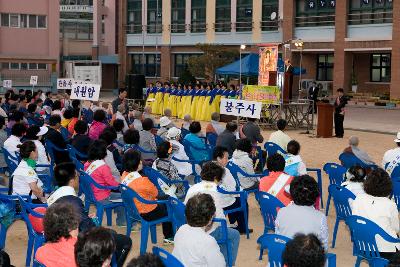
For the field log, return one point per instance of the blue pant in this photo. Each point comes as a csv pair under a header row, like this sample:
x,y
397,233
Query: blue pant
x,y
120,211
233,242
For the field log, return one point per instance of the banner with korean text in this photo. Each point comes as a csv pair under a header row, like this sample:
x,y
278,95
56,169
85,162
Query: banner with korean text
x,y
264,94
242,108
89,92
268,61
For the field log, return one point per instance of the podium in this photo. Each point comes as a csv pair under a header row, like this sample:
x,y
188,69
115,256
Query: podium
x,y
287,87
325,120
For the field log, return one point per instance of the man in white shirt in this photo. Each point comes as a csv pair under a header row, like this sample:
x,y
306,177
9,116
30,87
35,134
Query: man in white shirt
x,y
17,132
279,137
193,246
391,158
120,115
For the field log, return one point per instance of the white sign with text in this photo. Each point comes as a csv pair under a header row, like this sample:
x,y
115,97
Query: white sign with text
x,y
34,80
89,92
242,108
7,84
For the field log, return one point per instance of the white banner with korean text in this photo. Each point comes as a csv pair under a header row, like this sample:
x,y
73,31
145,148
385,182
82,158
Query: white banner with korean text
x,y
242,108
89,92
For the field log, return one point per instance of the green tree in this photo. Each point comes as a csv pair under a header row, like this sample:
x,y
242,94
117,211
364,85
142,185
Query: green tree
x,y
186,77
213,57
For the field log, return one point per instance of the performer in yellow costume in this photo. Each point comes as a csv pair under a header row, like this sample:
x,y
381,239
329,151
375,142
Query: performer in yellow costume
x,y
158,104
195,102
166,97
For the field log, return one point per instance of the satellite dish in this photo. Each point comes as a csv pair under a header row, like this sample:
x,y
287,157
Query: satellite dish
x,y
273,15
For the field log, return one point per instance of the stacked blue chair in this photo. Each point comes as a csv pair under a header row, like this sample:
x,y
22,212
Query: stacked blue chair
x,y
154,175
336,174
85,184
363,234
158,139
11,161
51,149
35,239
349,160
74,153
184,132
212,139
273,148
276,244
167,258
341,197
194,163
132,214
242,208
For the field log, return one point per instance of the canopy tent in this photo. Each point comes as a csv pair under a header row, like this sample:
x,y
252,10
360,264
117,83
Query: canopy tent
x,y
249,67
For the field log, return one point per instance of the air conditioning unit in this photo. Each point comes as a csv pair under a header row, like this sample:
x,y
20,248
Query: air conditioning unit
x,y
325,88
306,83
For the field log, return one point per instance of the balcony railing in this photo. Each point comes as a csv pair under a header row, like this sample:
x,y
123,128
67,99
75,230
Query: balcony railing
x,y
359,17
198,27
244,26
269,25
177,27
312,21
225,26
135,28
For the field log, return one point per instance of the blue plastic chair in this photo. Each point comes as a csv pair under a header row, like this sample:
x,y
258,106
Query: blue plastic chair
x,y
363,233
132,214
336,174
269,206
158,139
74,153
236,170
35,239
242,208
155,175
396,191
184,132
65,133
396,171
319,180
11,201
51,149
167,258
273,148
36,263
349,160
194,163
341,196
212,139
11,161
85,184
46,178
179,219
275,244
178,213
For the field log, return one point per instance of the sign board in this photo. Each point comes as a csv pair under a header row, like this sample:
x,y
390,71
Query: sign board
x,y
7,84
89,92
76,8
263,94
34,80
268,61
242,108
91,74
65,84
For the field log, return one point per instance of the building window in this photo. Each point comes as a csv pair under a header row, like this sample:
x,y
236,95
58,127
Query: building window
x,y
154,13
24,66
198,23
178,9
42,66
14,66
223,16
311,13
181,63
380,67
32,21
270,15
4,65
42,23
325,67
134,16
14,20
5,20
23,20
147,64
244,15
370,12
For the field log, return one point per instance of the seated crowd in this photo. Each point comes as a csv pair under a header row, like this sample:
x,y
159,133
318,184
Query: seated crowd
x,y
118,147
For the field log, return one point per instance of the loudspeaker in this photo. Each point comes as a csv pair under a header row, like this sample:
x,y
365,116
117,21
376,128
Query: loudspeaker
x,y
135,84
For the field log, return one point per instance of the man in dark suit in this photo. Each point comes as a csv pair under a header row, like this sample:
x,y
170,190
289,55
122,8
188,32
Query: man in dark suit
x,y
313,95
340,103
54,136
289,70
